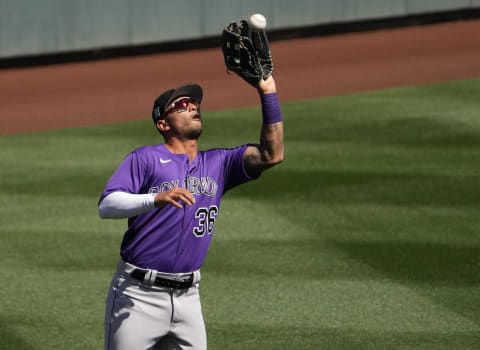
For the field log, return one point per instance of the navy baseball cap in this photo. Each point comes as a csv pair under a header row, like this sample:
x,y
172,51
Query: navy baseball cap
x,y
193,91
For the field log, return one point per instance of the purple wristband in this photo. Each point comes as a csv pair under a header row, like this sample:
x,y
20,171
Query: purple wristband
x,y
271,108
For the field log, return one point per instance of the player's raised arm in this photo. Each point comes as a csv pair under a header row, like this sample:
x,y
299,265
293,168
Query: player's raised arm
x,y
246,50
269,151
247,53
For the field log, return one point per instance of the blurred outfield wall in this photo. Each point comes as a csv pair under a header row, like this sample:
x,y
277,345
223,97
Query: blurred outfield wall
x,y
36,27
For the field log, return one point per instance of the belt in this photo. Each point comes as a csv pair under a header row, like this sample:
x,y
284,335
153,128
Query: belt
x,y
174,283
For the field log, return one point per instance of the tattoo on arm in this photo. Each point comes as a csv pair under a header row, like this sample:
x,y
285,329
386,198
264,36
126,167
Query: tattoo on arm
x,y
268,153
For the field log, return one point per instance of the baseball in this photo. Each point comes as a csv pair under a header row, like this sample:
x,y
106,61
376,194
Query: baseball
x,y
257,21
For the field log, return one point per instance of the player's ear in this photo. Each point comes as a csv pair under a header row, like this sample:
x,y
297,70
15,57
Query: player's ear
x,y
162,125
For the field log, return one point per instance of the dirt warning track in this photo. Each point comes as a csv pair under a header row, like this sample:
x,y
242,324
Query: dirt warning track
x,y
115,90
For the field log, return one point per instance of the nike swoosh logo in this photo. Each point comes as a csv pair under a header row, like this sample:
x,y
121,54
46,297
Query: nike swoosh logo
x,y
165,161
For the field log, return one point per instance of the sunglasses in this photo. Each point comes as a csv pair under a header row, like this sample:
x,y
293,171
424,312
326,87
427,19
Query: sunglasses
x,y
181,105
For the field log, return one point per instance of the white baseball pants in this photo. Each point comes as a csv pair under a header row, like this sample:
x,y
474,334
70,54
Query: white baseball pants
x,y
140,316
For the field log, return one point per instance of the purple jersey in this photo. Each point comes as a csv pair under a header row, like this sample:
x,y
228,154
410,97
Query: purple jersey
x,y
175,239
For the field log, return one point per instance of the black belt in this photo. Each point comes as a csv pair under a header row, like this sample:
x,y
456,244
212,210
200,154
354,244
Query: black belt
x,y
184,283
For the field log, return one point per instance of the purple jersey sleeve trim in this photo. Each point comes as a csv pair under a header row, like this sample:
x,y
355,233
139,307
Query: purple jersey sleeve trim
x,y
237,173
271,108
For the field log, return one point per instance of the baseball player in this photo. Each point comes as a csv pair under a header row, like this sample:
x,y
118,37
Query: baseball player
x,y
171,195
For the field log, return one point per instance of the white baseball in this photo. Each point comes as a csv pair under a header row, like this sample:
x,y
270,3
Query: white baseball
x,y
257,21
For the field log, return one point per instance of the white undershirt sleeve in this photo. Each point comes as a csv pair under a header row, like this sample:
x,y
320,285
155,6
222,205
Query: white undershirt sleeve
x,y
121,205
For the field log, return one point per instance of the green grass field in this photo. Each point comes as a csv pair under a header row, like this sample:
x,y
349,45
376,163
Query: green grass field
x,y
366,237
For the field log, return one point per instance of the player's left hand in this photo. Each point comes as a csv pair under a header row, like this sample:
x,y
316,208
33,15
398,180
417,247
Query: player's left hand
x,y
246,52
267,86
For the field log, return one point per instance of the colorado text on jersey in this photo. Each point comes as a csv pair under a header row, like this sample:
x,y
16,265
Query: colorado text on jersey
x,y
196,185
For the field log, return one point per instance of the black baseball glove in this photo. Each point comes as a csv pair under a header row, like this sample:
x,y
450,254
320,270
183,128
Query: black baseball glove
x,y
246,52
